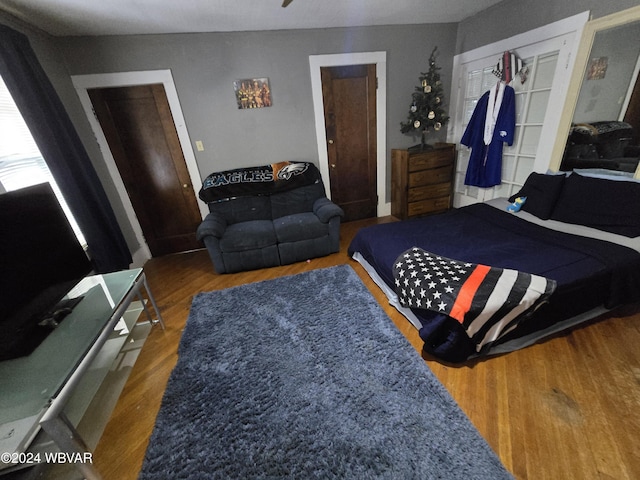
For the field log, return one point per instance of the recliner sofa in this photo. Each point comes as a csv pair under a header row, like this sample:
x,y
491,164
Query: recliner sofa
x,y
607,145
267,216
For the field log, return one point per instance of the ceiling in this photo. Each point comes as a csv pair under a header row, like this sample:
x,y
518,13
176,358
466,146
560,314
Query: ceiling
x,y
122,17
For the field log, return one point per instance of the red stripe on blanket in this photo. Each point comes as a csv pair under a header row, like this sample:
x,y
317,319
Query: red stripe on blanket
x,y
467,292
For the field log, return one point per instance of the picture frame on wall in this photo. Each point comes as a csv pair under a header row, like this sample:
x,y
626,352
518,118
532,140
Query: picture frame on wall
x,y
597,68
252,93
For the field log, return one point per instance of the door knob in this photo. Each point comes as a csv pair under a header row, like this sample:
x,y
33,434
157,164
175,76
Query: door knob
x,y
333,165
330,142
185,185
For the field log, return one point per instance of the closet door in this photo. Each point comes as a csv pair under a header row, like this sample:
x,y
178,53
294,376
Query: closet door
x,y
537,109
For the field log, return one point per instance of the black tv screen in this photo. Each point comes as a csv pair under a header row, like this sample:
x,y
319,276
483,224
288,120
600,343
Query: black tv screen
x,y
40,261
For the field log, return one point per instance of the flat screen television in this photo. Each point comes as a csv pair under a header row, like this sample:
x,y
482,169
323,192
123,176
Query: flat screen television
x,y
41,260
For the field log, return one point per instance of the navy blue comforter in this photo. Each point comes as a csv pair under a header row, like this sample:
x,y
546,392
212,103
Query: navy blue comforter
x,y
589,273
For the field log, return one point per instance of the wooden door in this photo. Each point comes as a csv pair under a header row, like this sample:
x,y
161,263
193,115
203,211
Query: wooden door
x,y
143,140
632,115
349,97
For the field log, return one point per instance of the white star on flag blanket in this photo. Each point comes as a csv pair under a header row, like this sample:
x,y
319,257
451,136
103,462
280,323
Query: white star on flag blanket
x,y
487,301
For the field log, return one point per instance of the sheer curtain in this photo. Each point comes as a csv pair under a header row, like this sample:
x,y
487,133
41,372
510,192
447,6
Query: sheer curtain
x,y
63,151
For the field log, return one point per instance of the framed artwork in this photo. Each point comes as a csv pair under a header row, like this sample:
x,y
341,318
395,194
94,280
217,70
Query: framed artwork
x,y
252,93
597,68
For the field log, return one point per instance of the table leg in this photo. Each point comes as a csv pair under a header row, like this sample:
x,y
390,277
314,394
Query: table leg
x,y
69,440
153,303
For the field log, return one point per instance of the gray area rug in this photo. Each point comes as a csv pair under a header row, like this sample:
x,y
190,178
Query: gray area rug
x,y
306,377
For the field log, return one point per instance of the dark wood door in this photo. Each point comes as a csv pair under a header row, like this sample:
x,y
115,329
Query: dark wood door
x,y
632,115
349,97
143,140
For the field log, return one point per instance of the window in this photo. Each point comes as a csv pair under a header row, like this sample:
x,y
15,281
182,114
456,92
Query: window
x,y
21,164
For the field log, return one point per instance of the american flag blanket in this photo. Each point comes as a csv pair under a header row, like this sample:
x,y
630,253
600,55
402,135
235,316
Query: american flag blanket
x,y
487,301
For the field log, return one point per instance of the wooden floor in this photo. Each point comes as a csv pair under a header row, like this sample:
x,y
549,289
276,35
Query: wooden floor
x,y
563,409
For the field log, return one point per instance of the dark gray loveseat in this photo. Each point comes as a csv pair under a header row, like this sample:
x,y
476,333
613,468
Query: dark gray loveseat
x,y
268,216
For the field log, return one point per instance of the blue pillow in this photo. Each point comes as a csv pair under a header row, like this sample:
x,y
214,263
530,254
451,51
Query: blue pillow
x,y
542,192
608,205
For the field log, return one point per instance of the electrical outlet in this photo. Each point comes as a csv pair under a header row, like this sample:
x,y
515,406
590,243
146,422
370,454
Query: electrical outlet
x,y
199,145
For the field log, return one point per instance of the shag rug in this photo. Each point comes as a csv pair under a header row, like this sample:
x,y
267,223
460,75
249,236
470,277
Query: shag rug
x,y
306,377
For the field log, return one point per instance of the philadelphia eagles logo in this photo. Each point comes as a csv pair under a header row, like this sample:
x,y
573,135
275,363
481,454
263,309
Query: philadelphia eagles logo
x,y
289,170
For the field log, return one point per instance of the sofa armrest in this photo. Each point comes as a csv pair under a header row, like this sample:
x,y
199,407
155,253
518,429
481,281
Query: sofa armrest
x,y
213,225
325,209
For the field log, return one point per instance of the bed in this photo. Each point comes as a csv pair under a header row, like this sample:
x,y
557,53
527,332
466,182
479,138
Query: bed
x,y
580,233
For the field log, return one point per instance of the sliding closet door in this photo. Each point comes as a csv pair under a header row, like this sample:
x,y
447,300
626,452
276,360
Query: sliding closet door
x,y
536,111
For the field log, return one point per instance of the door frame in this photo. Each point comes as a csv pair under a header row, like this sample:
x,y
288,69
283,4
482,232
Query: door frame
x,y
124,79
343,59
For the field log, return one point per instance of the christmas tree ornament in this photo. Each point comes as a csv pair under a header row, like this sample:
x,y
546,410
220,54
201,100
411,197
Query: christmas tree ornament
x,y
426,111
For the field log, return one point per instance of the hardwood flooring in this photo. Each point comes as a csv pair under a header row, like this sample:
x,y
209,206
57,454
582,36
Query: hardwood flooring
x,y
566,408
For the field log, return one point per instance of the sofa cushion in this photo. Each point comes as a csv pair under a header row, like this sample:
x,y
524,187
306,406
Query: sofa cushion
x,y
243,209
299,226
250,235
296,201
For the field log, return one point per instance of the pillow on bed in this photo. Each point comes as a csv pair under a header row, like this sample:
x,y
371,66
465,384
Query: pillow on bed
x,y
607,174
608,205
542,192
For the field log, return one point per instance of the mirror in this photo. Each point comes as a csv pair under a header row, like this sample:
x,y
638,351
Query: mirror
x,y
600,123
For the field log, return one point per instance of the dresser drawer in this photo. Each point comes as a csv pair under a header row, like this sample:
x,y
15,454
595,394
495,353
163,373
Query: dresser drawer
x,y
428,191
431,176
430,159
429,206
422,180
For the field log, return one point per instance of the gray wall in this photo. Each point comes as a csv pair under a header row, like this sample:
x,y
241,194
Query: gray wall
x,y
204,67
511,17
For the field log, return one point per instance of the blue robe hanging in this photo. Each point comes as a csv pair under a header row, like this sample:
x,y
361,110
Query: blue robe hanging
x,y
485,162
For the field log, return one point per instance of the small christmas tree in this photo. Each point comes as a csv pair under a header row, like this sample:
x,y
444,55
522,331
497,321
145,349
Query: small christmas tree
x,y
426,111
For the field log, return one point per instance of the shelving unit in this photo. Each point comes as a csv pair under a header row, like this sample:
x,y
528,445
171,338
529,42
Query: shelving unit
x,y
104,336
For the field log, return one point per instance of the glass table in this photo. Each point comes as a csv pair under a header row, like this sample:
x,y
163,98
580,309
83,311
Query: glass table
x,y
35,389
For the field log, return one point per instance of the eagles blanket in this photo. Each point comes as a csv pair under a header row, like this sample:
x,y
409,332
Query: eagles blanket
x,y
487,301
263,180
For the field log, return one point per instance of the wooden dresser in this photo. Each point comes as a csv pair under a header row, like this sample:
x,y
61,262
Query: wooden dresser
x,y
422,181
